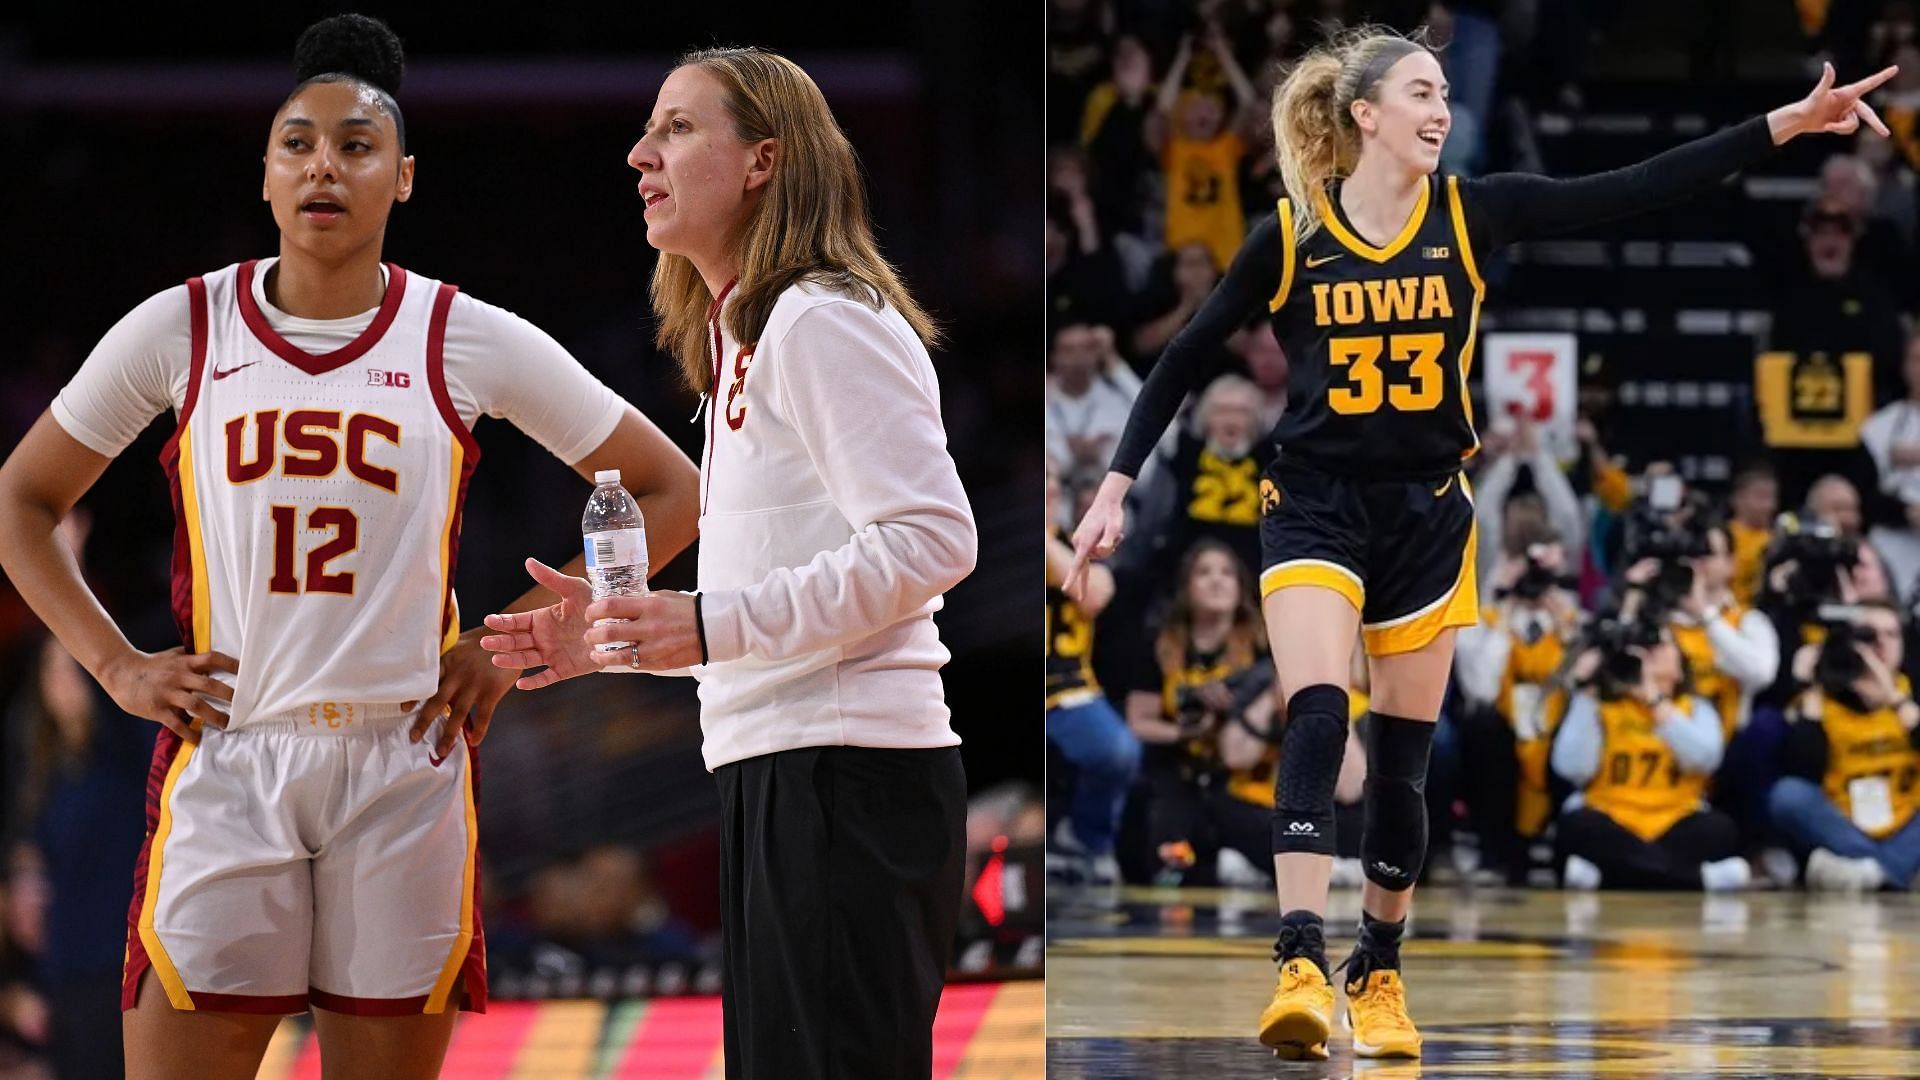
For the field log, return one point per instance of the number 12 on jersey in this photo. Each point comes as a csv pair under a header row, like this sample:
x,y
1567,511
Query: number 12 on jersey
x,y
1367,386
343,523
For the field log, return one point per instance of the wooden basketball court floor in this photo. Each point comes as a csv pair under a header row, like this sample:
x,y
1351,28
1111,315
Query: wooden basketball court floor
x,y
1506,984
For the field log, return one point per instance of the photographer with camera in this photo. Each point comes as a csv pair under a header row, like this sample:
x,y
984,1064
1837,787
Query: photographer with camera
x,y
1732,651
1815,561
1506,671
1203,705
1852,756
1639,750
1499,499
1680,569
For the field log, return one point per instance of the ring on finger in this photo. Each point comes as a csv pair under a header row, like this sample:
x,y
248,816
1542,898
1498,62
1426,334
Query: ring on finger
x,y
633,656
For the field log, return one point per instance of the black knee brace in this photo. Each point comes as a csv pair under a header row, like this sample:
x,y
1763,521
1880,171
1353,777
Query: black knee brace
x,y
1393,846
1311,746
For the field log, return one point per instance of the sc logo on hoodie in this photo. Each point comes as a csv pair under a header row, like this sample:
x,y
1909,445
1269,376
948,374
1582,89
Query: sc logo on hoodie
x,y
741,361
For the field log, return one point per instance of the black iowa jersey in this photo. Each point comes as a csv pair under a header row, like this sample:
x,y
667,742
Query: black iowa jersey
x,y
1379,340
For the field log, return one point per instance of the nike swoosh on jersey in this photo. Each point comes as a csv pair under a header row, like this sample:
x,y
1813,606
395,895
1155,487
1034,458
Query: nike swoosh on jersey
x,y
1322,261
218,374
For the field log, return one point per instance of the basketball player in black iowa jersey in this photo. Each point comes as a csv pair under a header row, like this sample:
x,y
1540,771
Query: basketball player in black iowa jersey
x,y
1372,275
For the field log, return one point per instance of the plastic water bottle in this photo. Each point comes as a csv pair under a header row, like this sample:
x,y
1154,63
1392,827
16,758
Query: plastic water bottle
x,y
615,537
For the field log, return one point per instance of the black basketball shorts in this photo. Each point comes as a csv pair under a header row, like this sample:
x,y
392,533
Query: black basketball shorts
x,y
1401,551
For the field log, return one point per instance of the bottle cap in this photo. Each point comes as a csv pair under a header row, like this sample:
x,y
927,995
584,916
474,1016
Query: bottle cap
x,y
607,476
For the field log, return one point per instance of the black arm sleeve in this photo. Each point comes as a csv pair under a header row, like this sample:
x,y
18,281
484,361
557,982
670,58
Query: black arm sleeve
x,y
1507,207
1250,282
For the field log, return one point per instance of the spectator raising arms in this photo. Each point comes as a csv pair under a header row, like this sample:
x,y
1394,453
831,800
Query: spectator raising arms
x,y
1201,153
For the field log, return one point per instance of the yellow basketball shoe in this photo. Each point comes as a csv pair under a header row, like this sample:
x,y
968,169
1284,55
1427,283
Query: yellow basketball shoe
x,y
1297,1021
1377,1016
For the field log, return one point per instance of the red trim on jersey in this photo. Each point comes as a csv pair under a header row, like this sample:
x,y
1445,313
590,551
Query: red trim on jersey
x,y
713,387
165,748
473,970
197,322
182,585
437,384
359,1006
437,368
281,1005
300,358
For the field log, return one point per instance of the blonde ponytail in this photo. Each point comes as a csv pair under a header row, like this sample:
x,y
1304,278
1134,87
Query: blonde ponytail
x,y
1314,136
1308,135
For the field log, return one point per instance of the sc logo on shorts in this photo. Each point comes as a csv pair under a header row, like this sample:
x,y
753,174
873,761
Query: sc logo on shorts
x,y
1269,496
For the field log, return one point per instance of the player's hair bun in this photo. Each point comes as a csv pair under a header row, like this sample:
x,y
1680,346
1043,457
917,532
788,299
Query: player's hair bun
x,y
355,45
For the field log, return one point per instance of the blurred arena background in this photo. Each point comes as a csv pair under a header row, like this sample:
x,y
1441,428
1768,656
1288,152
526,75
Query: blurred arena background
x,y
137,146
1656,389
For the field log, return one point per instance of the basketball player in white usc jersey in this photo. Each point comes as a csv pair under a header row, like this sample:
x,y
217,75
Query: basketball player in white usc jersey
x,y
305,849
832,520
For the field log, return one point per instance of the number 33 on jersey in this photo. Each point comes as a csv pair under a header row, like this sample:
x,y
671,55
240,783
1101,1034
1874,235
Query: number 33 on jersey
x,y
318,499
1380,338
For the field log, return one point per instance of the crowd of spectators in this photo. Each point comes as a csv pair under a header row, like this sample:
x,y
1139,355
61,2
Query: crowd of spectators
x,y
1678,681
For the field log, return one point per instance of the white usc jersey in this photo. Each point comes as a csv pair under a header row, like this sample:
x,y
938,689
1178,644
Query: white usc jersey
x,y
317,501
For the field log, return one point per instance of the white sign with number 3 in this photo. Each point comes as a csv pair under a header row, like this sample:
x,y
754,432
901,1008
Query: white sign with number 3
x,y
1533,375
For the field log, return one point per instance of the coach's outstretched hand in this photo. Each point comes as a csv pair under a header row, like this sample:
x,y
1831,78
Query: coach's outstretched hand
x,y
549,636
1836,110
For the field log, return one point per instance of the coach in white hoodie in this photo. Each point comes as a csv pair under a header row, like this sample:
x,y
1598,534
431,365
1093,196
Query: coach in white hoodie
x,y
832,520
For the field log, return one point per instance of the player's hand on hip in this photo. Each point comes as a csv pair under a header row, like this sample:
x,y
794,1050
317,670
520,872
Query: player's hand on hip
x,y
548,636
1837,110
171,688
470,688
662,626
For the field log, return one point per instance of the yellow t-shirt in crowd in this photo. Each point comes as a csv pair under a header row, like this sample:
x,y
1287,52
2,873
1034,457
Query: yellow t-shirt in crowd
x,y
1871,755
1203,194
1640,785
1708,681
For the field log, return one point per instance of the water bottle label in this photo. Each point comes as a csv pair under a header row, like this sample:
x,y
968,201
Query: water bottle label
x,y
615,547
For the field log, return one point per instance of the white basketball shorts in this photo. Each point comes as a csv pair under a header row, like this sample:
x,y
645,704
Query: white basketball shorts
x,y
315,858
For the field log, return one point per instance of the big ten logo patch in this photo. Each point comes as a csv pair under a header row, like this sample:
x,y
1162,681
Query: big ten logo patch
x,y
741,362
333,714
401,379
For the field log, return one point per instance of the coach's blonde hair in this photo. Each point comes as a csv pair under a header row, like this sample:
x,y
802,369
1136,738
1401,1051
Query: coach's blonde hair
x,y
810,221
1314,135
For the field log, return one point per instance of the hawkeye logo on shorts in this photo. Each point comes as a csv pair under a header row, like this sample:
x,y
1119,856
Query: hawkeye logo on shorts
x,y
1269,496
